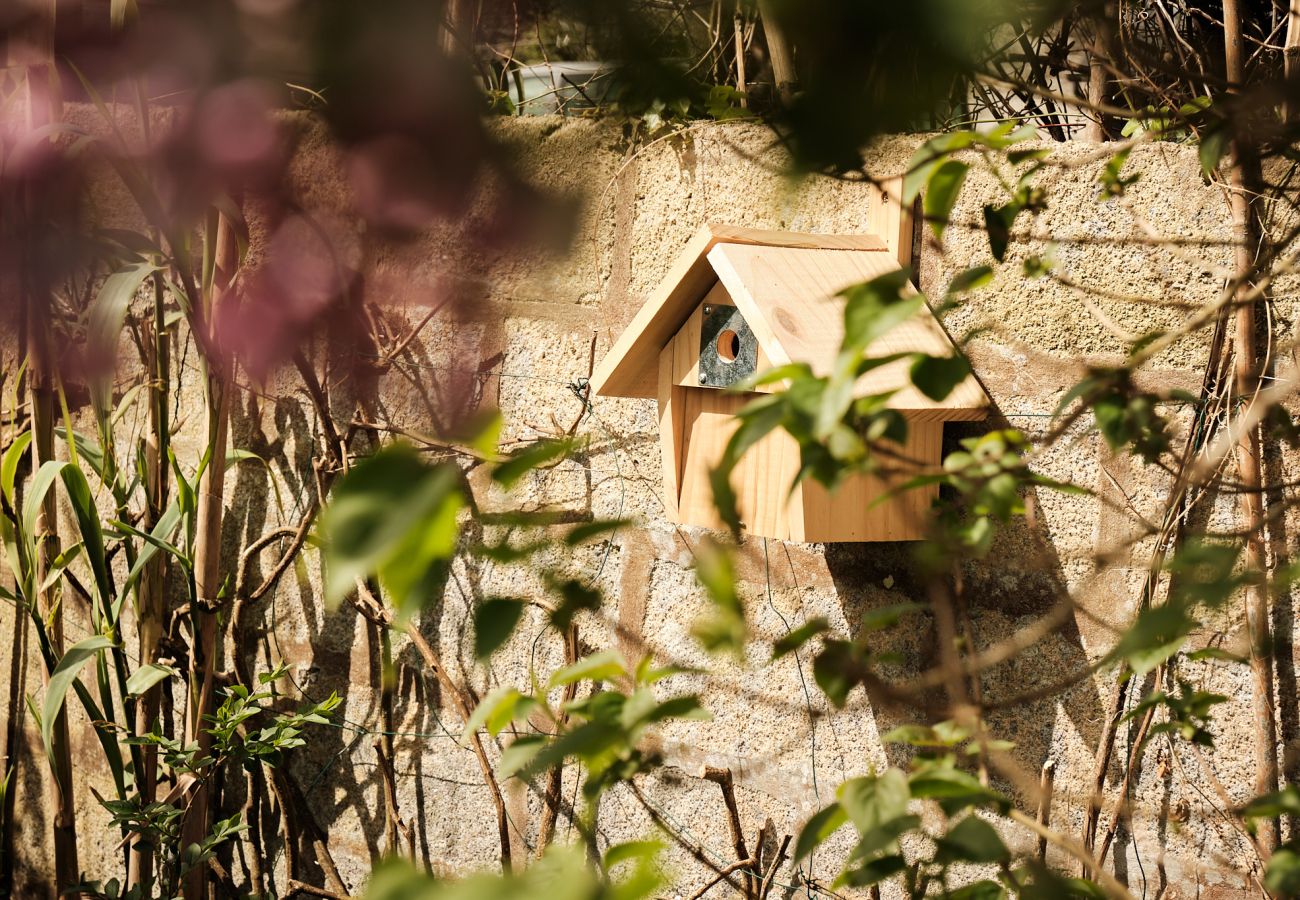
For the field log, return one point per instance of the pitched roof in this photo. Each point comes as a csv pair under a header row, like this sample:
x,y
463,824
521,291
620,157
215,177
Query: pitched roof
x,y
786,286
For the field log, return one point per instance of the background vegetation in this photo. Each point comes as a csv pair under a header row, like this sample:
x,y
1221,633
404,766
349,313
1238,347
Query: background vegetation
x,y
188,98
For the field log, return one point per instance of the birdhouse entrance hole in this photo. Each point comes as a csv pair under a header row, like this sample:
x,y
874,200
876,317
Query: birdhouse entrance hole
x,y
728,345
728,348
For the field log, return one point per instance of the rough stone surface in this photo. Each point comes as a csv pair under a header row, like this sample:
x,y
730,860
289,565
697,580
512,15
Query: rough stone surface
x,y
526,334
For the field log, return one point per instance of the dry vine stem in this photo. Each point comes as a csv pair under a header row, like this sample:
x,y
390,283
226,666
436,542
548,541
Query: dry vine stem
x,y
1246,370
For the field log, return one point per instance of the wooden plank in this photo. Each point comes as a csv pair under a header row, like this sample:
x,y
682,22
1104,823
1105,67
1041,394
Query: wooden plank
x,y
686,343
761,237
890,219
630,368
847,513
790,298
670,433
762,481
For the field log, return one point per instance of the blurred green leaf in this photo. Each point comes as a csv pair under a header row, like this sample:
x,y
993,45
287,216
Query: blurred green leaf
x,y
972,840
938,376
494,622
392,515
799,636
816,830
604,666
944,186
508,473
722,628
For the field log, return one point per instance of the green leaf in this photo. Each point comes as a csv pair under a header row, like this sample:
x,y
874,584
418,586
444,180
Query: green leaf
x,y
61,679
1283,875
822,825
146,677
1157,633
944,186
395,516
938,376
640,851
603,666
979,890
1214,145
834,670
875,307
873,872
497,710
972,840
92,535
997,223
970,280
494,622
953,789
9,467
508,473
799,636
40,486
757,419
105,317
1285,802
722,628
929,157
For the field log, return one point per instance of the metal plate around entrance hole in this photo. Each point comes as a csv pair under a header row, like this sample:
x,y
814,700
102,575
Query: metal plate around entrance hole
x,y
728,349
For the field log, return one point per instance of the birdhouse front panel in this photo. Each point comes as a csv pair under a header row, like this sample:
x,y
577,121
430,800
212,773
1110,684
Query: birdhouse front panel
x,y
740,301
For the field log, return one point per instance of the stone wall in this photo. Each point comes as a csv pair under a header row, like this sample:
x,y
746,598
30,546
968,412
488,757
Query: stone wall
x,y
528,334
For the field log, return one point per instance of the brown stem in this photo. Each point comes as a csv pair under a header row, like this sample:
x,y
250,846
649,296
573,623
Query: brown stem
x,y
394,824
741,87
727,870
1247,377
1291,60
723,779
695,850
370,606
1045,784
301,887
66,868
555,777
772,869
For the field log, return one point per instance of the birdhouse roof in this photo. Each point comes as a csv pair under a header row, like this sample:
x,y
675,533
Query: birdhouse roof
x,y
787,287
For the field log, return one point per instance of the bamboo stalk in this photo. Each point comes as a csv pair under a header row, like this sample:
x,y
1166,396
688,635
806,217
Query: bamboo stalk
x,y
67,871
43,109
779,51
207,563
1250,475
153,578
1291,61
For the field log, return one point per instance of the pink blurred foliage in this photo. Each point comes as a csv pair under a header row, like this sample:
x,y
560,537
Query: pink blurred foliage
x,y
407,119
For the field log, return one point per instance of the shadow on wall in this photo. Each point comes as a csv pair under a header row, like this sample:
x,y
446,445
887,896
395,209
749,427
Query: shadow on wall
x,y
1020,581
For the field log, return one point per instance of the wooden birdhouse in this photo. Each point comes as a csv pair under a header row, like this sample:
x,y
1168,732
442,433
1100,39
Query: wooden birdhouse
x,y
738,301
